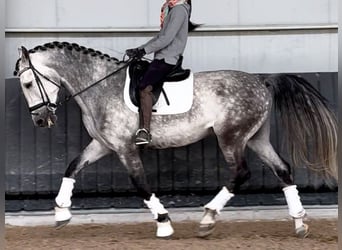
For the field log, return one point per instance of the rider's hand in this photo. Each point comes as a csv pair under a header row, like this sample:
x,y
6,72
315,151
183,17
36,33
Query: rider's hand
x,y
136,53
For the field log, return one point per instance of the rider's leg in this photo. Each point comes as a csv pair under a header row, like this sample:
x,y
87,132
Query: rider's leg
x,y
155,74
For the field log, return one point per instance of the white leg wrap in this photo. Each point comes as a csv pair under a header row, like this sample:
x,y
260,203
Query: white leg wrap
x,y
298,222
63,198
164,229
62,214
155,206
296,209
220,200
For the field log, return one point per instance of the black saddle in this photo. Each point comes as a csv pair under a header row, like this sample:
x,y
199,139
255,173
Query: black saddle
x,y
137,70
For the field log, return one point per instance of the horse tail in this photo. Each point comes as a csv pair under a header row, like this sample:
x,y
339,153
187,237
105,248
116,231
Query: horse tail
x,y
308,123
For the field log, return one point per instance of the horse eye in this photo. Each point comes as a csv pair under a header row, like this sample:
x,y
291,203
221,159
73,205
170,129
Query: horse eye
x,y
28,85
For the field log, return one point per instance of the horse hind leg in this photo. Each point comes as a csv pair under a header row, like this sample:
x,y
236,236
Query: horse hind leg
x,y
261,145
93,152
235,155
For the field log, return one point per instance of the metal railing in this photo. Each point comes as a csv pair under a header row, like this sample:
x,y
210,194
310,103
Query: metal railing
x,y
204,28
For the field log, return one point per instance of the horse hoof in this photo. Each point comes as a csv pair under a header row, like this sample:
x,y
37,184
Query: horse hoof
x,y
164,230
60,224
303,231
205,230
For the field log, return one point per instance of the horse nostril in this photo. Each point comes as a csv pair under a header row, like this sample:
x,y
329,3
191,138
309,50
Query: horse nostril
x,y
40,122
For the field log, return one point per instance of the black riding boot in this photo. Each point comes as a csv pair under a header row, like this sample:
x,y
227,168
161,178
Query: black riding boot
x,y
143,135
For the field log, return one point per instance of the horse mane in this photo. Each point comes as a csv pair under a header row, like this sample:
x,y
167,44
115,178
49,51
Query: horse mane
x,y
69,46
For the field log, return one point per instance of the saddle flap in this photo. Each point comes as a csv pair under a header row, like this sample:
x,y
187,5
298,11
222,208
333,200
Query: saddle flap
x,y
179,95
137,70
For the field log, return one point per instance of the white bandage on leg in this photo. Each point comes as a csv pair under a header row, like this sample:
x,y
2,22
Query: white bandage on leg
x,y
298,222
63,198
296,209
62,214
155,206
220,200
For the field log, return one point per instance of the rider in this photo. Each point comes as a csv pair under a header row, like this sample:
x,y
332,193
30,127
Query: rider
x,y
168,46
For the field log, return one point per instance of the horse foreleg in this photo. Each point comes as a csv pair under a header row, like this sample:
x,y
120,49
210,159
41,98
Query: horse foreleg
x,y
161,216
93,152
136,172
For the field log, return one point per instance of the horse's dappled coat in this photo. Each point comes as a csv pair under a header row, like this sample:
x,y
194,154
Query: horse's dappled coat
x,y
234,105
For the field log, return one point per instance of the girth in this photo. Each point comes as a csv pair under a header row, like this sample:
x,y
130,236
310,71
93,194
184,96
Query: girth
x,y
137,70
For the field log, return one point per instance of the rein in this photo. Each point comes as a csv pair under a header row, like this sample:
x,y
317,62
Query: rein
x,y
127,63
45,98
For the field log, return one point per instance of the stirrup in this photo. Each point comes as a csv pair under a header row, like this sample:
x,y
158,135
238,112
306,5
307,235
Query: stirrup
x,y
142,140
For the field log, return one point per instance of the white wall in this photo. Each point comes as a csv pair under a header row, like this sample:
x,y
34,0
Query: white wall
x,y
262,52
142,13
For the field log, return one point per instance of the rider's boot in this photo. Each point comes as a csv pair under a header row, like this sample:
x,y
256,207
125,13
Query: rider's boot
x,y
143,136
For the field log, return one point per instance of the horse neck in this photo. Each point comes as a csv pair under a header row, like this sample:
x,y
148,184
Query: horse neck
x,y
79,72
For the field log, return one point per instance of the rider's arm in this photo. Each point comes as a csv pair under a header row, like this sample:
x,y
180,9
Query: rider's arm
x,y
178,17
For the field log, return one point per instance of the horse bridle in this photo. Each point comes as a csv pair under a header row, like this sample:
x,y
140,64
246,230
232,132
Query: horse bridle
x,y
52,107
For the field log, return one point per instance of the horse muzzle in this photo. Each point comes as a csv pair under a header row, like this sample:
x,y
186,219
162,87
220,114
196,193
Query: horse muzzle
x,y
45,119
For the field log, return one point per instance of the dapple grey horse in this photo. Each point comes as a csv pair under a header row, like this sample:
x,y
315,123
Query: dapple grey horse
x,y
234,105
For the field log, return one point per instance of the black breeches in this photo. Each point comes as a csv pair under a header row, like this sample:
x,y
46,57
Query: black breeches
x,y
155,73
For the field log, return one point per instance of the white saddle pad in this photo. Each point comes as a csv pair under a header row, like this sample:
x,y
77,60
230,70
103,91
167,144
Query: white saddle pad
x,y
180,95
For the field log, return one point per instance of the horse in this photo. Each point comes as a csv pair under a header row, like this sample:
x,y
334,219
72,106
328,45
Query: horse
x,y
233,105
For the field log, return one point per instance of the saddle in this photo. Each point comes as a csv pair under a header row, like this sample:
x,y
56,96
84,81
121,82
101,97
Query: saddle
x,y
137,70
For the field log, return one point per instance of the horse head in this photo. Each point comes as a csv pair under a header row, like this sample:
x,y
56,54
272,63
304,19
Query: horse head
x,y
40,85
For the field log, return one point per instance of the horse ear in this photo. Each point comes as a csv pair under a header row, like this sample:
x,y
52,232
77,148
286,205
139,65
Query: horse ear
x,y
24,54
